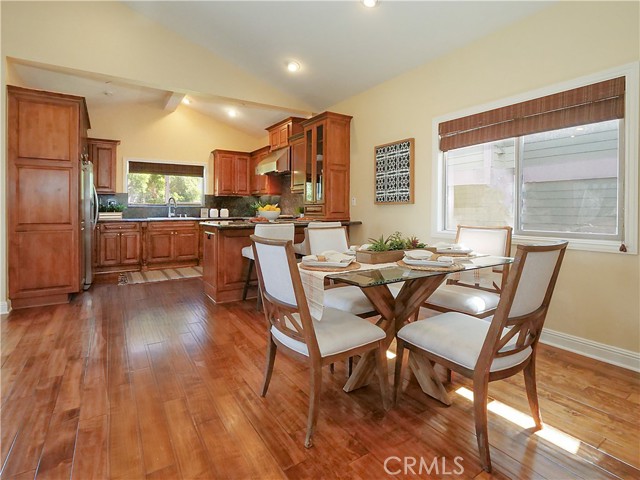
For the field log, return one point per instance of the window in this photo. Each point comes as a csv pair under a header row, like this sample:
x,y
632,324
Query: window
x,y
561,181
562,165
151,183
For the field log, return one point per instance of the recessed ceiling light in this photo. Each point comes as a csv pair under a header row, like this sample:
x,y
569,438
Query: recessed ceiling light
x,y
293,66
186,101
579,129
232,113
369,3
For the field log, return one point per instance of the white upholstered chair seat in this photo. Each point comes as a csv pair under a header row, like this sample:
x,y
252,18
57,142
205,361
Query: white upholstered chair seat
x,y
247,252
336,332
459,338
464,299
348,299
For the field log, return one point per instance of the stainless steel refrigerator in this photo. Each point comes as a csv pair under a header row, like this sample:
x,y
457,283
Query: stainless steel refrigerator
x,y
89,198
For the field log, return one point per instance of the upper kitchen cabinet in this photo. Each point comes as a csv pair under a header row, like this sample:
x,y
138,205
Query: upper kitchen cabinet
x,y
262,184
280,132
327,154
46,142
103,155
231,173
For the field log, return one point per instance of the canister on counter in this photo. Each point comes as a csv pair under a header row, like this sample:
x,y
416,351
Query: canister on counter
x,y
224,213
213,213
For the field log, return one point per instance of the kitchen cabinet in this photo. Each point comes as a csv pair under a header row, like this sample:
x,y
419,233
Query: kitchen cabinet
x,y
119,246
327,164
297,163
262,184
103,155
280,132
231,173
172,242
46,135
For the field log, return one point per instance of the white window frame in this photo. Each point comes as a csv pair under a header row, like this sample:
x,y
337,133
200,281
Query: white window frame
x,y
631,72
174,162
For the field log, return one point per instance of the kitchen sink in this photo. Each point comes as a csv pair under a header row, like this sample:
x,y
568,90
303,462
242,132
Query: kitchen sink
x,y
173,218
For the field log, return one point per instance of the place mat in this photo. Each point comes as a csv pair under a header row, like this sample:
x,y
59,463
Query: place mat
x,y
456,267
352,266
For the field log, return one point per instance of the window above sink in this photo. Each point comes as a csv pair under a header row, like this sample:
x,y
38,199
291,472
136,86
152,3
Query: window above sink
x,y
152,183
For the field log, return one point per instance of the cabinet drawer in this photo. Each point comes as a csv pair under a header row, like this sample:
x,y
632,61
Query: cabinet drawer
x,y
119,226
172,225
314,209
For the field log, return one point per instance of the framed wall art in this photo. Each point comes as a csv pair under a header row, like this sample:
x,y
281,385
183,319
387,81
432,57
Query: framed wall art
x,y
394,172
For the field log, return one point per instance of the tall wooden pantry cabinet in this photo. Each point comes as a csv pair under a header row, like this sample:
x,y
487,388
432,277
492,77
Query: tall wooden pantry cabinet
x,y
47,137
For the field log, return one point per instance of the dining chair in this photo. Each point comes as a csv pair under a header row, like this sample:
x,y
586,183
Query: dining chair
x,y
485,351
475,293
336,336
302,248
280,231
327,238
348,298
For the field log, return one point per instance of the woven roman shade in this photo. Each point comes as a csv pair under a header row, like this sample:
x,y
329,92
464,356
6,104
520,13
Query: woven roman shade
x,y
167,169
589,104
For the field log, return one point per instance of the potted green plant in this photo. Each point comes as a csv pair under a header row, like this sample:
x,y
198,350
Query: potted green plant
x,y
110,211
390,249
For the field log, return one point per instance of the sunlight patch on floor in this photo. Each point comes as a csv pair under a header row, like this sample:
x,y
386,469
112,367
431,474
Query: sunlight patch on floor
x,y
549,433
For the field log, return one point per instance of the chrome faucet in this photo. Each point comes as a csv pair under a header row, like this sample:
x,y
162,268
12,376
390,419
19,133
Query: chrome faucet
x,y
172,201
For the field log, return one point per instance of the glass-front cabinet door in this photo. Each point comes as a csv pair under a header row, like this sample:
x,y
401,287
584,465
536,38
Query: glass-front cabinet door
x,y
315,151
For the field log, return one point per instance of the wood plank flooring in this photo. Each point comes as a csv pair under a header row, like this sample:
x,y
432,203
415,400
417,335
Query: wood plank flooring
x,y
155,381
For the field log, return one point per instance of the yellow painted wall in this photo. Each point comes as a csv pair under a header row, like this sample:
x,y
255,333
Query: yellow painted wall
x,y
148,131
598,295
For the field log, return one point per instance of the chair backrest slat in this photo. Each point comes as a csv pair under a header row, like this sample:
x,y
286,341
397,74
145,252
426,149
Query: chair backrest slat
x,y
284,300
523,304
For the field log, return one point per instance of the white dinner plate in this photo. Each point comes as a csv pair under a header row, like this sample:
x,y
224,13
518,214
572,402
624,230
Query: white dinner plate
x,y
312,263
460,251
425,263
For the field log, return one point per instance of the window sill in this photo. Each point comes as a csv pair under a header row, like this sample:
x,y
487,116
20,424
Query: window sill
x,y
600,246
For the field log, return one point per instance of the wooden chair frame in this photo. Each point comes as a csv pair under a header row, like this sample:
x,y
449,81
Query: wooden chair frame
x,y
280,316
527,328
496,288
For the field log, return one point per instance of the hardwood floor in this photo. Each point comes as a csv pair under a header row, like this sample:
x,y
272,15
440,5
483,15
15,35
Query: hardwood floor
x,y
155,381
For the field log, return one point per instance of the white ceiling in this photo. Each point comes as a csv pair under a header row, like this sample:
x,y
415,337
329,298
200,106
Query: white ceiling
x,y
343,47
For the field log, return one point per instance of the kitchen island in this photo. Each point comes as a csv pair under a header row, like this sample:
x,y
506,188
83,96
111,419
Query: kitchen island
x,y
224,267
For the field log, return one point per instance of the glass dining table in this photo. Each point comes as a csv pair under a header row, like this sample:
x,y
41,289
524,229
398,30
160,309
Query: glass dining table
x,y
396,310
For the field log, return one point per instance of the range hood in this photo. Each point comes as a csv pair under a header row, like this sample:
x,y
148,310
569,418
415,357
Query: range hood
x,y
269,164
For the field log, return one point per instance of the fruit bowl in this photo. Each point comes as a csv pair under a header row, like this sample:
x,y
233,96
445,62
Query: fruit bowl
x,y
270,214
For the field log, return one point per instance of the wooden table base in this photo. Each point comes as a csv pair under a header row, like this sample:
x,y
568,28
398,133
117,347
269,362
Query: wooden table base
x,y
395,312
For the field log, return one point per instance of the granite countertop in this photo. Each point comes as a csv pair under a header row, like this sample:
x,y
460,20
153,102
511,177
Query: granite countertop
x,y
239,224
166,219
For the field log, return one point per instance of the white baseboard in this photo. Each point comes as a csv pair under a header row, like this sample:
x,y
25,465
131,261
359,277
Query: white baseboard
x,y
4,307
599,351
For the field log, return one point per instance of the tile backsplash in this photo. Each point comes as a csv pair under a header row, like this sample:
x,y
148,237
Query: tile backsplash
x,y
238,206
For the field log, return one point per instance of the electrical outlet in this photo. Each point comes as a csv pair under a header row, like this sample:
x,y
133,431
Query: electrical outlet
x,y
353,201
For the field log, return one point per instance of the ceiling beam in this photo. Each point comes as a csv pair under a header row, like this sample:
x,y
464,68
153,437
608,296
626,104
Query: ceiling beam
x,y
173,101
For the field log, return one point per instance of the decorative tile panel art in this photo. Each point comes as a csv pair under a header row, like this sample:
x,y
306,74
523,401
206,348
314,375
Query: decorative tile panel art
x,y
394,172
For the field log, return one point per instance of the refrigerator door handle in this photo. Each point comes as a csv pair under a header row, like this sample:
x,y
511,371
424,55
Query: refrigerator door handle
x,y
94,219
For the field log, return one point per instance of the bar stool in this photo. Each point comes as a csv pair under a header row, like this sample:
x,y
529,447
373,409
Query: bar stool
x,y
275,231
